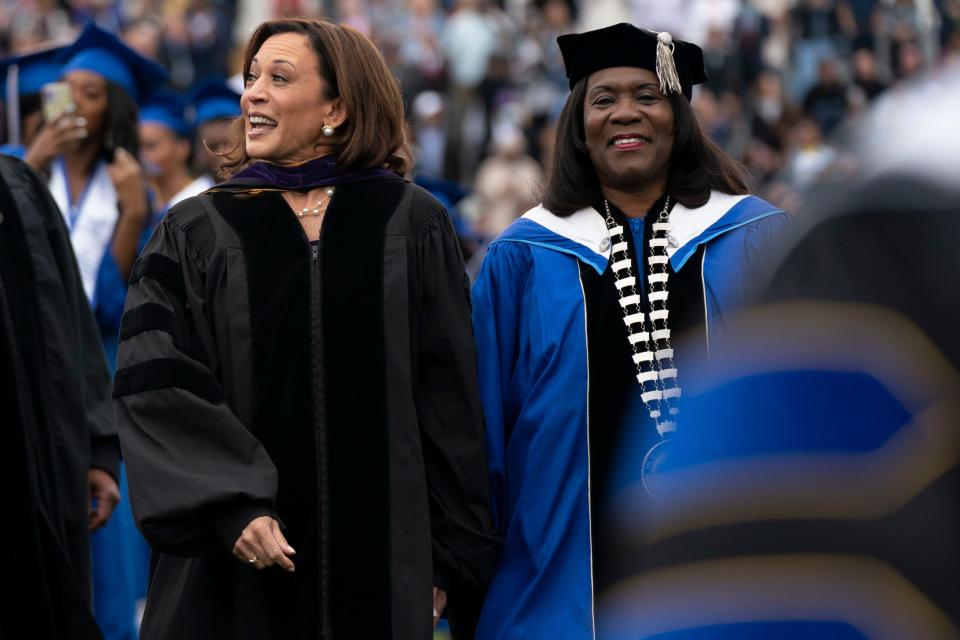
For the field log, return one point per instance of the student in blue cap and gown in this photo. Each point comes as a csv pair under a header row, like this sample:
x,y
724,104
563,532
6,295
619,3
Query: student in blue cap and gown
x,y
101,191
215,105
646,230
23,79
95,177
166,148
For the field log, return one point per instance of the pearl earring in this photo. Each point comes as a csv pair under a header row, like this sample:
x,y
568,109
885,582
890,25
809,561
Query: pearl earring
x,y
327,131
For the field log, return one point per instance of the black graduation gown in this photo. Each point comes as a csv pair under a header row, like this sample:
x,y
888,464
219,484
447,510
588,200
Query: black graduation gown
x,y
332,386
55,416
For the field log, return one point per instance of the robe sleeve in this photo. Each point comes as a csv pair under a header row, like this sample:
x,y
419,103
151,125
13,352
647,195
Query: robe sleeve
x,y
98,415
497,297
465,544
197,475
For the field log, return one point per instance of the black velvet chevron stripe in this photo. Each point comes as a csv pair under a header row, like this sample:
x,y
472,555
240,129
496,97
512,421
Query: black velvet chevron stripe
x,y
356,411
147,317
164,373
162,269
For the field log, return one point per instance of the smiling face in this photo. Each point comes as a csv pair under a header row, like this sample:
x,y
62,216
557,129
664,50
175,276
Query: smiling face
x,y
628,125
285,103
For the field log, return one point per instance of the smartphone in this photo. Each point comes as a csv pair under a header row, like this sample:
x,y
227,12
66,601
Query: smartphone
x,y
57,98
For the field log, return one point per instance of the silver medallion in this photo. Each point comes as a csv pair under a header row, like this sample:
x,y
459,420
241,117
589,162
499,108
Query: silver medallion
x,y
652,466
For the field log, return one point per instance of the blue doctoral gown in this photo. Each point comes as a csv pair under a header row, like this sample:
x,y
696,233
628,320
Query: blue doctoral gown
x,y
530,325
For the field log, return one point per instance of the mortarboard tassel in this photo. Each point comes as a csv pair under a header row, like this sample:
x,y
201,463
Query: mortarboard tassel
x,y
666,69
13,105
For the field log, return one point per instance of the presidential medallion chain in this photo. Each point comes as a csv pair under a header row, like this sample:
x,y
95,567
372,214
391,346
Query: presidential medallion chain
x,y
648,334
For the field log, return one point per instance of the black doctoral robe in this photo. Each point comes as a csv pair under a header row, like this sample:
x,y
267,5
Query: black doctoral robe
x,y
332,386
55,416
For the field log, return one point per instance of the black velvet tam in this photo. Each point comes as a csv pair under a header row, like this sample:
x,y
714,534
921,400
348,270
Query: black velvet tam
x,y
624,45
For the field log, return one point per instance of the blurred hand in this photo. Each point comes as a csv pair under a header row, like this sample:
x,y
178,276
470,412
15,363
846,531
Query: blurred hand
x,y
55,139
104,496
262,542
439,604
129,183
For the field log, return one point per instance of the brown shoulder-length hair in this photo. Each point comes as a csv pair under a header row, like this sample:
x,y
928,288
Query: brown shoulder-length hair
x,y
697,165
354,71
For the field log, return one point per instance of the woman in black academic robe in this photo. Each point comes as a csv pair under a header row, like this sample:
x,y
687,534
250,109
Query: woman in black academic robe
x,y
298,405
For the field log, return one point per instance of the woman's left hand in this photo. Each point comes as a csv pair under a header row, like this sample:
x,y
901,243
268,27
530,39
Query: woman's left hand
x,y
439,604
104,496
129,183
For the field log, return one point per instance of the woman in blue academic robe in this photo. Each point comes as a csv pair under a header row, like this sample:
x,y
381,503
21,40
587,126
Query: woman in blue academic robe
x,y
646,232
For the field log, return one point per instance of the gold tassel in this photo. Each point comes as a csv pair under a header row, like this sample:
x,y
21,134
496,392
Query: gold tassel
x,y
666,69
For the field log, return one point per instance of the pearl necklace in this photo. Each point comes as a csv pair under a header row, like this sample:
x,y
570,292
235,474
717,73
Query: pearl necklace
x,y
314,210
649,334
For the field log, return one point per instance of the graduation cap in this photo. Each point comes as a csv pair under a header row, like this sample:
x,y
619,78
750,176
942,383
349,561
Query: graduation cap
x,y
103,53
25,75
29,72
166,108
213,99
679,65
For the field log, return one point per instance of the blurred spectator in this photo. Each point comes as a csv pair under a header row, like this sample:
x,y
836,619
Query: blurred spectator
x,y
815,27
826,101
145,36
910,60
213,105
865,75
951,46
768,106
430,136
469,42
858,18
508,182
808,155
750,29
418,33
911,24
763,161
722,120
721,62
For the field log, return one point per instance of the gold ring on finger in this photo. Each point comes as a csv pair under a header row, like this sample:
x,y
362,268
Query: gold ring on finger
x,y
253,560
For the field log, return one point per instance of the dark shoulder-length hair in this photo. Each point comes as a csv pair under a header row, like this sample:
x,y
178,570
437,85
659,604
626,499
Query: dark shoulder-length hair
x,y
354,71
120,123
697,165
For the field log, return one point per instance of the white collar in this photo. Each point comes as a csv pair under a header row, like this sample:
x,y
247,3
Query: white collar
x,y
587,230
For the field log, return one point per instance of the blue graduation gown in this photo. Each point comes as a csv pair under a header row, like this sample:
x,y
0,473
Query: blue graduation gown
x,y
529,321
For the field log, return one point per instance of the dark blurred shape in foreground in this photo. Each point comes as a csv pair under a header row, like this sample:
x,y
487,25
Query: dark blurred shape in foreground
x,y
813,487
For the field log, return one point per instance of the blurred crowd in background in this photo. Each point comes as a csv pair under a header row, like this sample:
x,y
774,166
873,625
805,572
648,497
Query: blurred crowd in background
x,y
484,81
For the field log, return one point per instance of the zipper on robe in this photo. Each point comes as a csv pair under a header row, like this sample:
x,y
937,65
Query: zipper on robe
x,y
320,444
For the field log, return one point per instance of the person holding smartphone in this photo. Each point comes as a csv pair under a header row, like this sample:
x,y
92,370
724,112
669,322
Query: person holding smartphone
x,y
22,79
89,148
